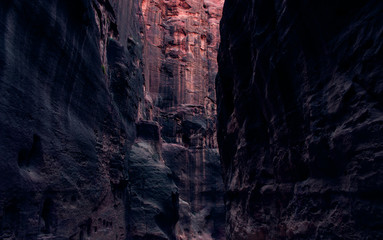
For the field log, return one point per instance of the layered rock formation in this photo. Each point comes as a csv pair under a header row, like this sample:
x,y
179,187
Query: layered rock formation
x,y
300,119
71,80
180,50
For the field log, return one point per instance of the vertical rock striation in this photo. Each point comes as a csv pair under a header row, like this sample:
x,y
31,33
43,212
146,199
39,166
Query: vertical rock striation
x,y
107,120
299,95
180,51
70,83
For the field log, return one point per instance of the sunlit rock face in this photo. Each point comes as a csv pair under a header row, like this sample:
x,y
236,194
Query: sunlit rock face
x,y
70,84
181,45
180,51
300,104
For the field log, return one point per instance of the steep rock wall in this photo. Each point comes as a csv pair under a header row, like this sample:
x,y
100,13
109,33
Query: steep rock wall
x,y
71,81
180,50
299,94
86,153
153,195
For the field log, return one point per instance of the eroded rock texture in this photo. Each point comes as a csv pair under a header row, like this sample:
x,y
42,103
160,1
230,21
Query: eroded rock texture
x,y
300,119
180,50
153,195
70,83
86,152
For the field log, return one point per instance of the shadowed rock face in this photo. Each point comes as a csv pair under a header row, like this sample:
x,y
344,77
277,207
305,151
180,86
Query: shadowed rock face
x,y
153,195
299,95
70,83
86,152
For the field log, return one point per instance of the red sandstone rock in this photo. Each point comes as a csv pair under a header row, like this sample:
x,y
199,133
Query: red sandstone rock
x,y
180,51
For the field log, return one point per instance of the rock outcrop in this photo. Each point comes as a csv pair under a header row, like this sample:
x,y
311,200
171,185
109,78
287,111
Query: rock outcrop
x,y
71,81
299,94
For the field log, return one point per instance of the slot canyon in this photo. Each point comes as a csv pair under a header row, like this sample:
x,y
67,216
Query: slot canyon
x,y
191,119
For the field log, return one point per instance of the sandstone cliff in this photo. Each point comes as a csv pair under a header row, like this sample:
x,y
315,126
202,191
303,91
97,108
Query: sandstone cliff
x,y
299,96
181,45
180,50
107,120
71,80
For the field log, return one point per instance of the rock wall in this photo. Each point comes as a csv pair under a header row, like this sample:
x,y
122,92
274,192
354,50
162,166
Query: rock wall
x,y
70,83
153,195
299,95
180,50
107,119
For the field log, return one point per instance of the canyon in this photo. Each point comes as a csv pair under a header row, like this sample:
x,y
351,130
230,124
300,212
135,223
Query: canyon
x,y
191,119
